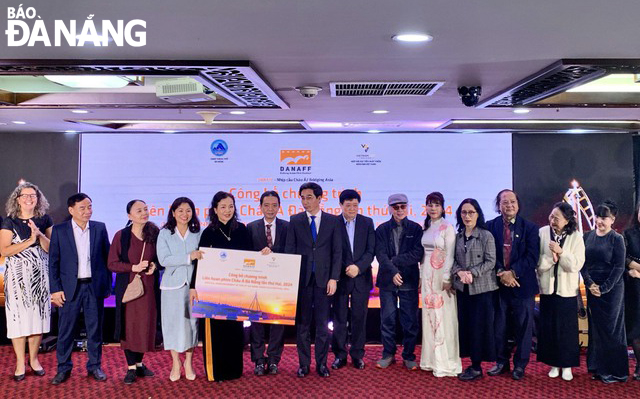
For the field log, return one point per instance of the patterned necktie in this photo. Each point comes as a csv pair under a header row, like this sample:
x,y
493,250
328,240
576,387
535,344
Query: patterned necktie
x,y
506,246
269,238
314,231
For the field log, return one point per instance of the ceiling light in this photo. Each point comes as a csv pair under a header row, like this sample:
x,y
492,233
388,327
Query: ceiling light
x,y
183,121
412,38
19,122
79,111
71,131
91,81
520,111
380,111
276,131
237,112
542,122
169,131
614,83
374,131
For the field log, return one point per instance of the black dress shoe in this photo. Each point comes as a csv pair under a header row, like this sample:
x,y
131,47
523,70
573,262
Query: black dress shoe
x,y
97,375
38,373
61,377
143,371
273,369
323,371
358,363
338,363
470,374
18,377
259,370
609,379
518,373
302,371
130,378
499,368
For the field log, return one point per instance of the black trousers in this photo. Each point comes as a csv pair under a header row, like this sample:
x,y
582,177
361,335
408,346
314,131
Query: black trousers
x,y
133,357
313,302
83,300
518,312
257,341
358,323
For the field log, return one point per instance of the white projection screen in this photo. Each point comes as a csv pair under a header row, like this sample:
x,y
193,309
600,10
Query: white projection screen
x,y
158,168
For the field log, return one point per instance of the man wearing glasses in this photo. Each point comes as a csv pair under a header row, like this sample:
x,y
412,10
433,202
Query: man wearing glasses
x,y
517,253
399,251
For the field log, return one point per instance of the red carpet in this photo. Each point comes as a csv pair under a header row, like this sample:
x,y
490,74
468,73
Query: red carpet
x,y
394,382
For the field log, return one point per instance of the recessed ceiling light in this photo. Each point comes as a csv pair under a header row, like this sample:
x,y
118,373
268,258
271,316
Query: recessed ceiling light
x,y
237,112
374,131
412,38
169,131
19,122
91,81
520,111
276,131
71,131
79,111
380,111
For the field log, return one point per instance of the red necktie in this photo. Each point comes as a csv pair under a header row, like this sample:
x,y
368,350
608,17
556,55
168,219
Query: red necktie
x,y
269,238
506,246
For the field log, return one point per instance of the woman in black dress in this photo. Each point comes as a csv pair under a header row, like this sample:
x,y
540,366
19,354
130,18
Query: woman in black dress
x,y
632,288
223,340
602,272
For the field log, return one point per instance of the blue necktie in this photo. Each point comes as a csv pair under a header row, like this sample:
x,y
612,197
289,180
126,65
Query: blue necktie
x,y
314,231
314,236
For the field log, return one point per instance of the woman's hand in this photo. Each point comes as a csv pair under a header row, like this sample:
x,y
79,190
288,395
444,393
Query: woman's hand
x,y
634,273
555,248
595,290
140,266
195,254
193,296
152,268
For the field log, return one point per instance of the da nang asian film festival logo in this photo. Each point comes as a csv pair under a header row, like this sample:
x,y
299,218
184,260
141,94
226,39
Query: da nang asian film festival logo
x,y
26,28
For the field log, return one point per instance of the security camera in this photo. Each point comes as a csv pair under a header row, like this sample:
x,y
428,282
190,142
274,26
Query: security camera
x,y
470,95
308,91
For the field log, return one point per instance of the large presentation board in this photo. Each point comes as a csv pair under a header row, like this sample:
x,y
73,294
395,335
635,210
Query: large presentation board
x,y
158,168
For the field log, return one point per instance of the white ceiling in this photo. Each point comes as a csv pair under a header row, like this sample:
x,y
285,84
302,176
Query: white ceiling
x,y
492,43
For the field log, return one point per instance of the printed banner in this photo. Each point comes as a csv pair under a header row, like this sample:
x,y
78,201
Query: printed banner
x,y
246,285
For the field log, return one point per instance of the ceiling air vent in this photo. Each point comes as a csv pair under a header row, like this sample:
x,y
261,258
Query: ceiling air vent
x,y
383,89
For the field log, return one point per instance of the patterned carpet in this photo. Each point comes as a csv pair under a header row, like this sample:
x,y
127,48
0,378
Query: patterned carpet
x,y
394,382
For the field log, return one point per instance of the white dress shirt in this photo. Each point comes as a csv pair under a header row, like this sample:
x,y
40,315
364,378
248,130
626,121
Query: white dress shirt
x,y
83,247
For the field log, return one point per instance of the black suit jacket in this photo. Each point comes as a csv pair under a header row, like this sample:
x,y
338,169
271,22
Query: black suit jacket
x,y
525,252
364,246
258,235
326,251
63,259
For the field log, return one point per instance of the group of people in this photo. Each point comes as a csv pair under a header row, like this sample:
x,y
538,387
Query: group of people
x,y
477,281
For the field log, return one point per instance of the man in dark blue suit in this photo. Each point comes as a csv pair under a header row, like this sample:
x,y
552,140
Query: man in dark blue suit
x,y
517,253
268,235
317,236
356,281
79,281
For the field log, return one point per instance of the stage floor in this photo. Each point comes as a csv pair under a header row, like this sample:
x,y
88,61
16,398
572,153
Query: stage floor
x,y
394,382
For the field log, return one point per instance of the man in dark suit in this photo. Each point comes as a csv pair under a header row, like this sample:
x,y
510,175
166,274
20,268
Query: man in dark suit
x,y
358,249
317,236
517,253
399,251
268,235
79,281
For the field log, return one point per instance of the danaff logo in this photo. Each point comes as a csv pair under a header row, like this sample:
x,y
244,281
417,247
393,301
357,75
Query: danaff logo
x,y
249,263
295,157
26,27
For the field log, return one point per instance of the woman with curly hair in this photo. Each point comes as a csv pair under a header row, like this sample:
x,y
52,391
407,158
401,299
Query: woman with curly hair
x,y
24,241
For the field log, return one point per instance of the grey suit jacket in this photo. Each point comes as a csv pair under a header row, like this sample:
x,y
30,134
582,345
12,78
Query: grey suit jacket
x,y
479,257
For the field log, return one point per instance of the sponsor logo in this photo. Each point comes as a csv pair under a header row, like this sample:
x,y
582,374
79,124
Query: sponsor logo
x,y
249,263
295,161
219,148
365,147
223,255
26,28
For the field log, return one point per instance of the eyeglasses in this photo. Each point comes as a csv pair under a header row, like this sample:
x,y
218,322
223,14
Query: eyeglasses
x,y
397,207
32,196
468,213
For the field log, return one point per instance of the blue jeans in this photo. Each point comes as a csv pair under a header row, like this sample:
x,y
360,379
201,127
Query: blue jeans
x,y
408,310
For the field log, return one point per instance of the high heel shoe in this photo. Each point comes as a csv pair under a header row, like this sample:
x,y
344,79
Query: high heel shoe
x,y
188,376
18,377
37,373
174,376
